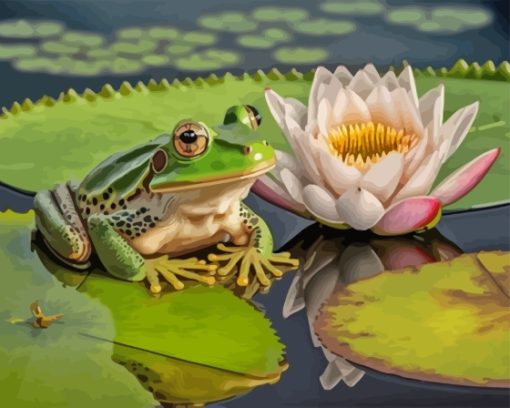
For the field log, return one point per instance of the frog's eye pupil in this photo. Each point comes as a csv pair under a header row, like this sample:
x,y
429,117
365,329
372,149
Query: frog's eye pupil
x,y
188,137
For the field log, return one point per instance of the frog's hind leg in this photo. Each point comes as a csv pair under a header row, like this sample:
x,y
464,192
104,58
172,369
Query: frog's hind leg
x,y
61,226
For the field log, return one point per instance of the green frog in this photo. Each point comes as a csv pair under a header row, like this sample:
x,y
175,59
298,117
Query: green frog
x,y
140,210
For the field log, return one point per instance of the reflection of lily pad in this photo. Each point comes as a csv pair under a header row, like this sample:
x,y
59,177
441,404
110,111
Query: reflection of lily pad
x,y
230,21
75,136
449,322
324,26
30,28
277,14
34,360
11,51
360,7
300,55
82,39
208,60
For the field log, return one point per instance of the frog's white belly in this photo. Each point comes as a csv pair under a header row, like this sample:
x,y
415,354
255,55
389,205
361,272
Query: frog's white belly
x,y
197,221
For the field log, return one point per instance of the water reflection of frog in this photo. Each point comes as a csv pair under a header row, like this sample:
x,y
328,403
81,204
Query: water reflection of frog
x,y
172,195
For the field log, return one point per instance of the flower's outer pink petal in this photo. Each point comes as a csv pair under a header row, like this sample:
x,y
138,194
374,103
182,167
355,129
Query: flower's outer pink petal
x,y
463,180
270,191
359,208
409,215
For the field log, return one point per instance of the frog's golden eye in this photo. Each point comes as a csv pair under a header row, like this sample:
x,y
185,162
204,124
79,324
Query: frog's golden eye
x,y
190,139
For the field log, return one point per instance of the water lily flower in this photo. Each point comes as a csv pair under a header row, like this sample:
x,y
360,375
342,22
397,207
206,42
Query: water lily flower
x,y
366,152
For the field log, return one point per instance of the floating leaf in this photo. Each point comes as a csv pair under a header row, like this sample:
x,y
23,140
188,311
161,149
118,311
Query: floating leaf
x,y
229,21
449,321
30,28
300,55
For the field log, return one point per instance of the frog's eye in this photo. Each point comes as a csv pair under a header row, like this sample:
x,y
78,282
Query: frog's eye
x,y
190,139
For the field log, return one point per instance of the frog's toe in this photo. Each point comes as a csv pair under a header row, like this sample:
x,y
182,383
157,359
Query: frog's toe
x,y
172,270
248,259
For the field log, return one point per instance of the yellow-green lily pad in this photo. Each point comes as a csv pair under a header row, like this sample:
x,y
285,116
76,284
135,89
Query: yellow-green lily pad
x,y
13,51
69,137
229,21
21,28
132,347
445,322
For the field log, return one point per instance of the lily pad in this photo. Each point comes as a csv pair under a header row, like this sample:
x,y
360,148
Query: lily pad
x,y
59,47
30,28
163,33
278,14
324,26
134,47
67,139
449,321
208,60
300,55
266,39
229,21
117,346
83,39
13,51
363,7
156,60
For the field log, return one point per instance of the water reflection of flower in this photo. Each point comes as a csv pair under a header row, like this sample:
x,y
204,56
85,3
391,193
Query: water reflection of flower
x,y
366,152
341,260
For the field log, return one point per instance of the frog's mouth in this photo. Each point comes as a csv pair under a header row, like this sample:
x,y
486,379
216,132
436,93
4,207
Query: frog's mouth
x,y
253,173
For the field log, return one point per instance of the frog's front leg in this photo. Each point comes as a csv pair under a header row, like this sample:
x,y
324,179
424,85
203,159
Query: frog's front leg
x,y
257,253
122,261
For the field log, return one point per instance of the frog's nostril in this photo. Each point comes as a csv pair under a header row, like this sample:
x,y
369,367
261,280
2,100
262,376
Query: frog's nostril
x,y
247,149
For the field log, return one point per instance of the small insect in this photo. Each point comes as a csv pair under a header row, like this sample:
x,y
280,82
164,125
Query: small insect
x,y
41,321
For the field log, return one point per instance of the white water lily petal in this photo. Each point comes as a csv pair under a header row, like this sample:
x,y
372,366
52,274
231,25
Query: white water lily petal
x,y
293,185
286,160
343,75
302,148
462,126
415,157
355,109
372,73
406,80
357,262
383,177
333,88
276,106
324,116
407,111
359,208
431,111
295,300
390,81
320,203
322,76
338,175
421,181
273,191
361,84
297,110
380,105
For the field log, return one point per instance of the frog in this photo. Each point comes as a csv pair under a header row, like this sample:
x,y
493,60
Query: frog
x,y
141,211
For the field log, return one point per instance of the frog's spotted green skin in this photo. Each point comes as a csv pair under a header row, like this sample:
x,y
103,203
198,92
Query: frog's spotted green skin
x,y
172,195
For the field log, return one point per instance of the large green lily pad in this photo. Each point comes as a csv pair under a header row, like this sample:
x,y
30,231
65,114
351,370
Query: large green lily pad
x,y
444,322
45,143
117,336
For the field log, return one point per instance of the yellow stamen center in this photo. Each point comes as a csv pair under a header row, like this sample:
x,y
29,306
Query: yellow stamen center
x,y
364,144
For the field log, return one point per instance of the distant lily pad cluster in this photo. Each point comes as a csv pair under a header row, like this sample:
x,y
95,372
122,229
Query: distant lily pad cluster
x,y
218,40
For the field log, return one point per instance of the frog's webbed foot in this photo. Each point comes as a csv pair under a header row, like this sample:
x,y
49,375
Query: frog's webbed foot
x,y
172,270
247,257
